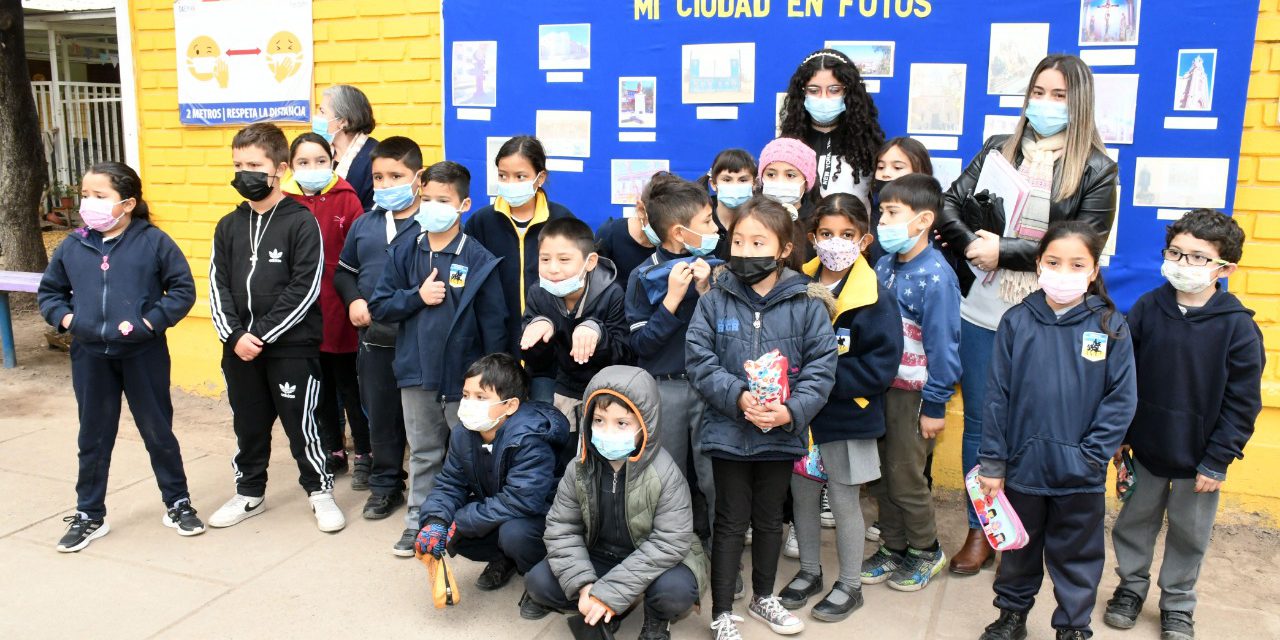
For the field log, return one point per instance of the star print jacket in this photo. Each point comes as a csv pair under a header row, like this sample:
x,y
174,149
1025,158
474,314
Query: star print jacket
x,y
336,207
929,301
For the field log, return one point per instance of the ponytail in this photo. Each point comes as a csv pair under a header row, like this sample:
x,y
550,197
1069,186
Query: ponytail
x,y
125,181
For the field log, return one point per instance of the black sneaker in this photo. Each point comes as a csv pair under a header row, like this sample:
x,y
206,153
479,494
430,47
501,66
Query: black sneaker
x,y
802,587
496,574
1073,634
81,532
182,517
1177,625
654,627
379,506
404,546
531,610
360,468
338,462
1123,609
1011,625
840,602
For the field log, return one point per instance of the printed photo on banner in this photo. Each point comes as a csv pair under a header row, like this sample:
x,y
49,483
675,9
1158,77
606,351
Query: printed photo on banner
x,y
637,102
565,134
564,46
874,59
1109,22
777,113
1109,250
718,73
946,170
935,104
1115,106
474,68
1016,48
1181,183
628,177
1197,69
491,147
998,125
232,71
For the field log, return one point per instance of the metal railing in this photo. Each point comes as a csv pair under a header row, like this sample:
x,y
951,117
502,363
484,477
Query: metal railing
x,y
80,124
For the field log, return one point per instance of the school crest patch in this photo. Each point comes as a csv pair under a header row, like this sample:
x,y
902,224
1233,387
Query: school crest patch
x,y
1094,346
843,340
458,276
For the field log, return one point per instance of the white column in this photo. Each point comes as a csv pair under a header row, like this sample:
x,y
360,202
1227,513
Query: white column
x,y
59,118
128,85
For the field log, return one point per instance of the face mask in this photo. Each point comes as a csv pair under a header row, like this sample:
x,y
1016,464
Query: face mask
x,y
651,235
436,217
96,213
204,66
784,192
320,127
397,198
877,184
1064,288
733,194
824,111
313,179
752,270
1183,277
252,185
837,254
1047,117
614,447
474,414
516,193
894,238
562,288
706,245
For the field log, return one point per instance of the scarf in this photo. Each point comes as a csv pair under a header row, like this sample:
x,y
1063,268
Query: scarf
x,y
1038,158
353,150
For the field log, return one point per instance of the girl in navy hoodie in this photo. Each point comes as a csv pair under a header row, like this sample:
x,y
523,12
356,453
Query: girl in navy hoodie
x,y
1061,395
116,285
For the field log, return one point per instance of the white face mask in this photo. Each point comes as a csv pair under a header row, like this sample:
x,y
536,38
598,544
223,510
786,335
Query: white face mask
x,y
474,414
784,192
1189,279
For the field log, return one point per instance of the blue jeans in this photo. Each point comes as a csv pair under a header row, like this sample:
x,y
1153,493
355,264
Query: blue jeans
x,y
976,344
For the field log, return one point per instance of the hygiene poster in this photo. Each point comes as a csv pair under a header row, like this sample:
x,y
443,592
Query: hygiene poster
x,y
233,70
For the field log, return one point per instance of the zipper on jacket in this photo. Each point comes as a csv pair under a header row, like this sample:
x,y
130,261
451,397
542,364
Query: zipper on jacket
x,y
755,336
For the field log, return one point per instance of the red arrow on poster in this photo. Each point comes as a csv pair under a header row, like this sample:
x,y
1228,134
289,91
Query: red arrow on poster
x,y
243,52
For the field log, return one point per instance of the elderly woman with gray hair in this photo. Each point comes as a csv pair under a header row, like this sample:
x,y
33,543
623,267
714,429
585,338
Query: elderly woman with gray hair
x,y
345,118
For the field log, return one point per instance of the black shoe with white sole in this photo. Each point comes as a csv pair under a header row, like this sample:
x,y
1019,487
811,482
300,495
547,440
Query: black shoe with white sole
x,y
81,532
404,546
182,516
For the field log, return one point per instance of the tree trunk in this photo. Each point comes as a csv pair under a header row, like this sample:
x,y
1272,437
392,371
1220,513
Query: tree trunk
x,y
22,170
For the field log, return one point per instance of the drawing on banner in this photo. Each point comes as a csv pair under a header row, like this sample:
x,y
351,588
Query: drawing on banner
x,y
1115,106
718,73
1182,183
475,73
232,72
996,125
1197,69
564,46
874,59
637,102
1015,51
1104,22
1109,249
779,100
946,170
935,104
491,147
628,177
565,134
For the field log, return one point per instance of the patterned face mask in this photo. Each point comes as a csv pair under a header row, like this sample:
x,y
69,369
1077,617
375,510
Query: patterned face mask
x,y
837,254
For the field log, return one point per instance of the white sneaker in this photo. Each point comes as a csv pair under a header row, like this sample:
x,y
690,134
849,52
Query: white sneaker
x,y
792,548
771,612
329,517
873,532
746,542
827,518
725,627
236,510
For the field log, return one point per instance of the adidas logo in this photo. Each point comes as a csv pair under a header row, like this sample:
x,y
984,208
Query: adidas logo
x,y
286,389
275,255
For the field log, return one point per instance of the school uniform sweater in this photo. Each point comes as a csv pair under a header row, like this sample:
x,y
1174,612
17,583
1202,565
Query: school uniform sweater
x,y
614,241
335,207
363,258
657,335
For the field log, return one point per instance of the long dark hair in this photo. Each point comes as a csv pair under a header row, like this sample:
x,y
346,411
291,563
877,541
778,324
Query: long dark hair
x,y
777,219
125,181
913,149
1095,242
858,135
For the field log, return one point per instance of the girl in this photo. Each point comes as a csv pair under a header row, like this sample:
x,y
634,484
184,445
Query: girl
x,y
868,331
336,206
344,118
757,305
1056,146
117,284
628,242
896,158
1049,431
787,174
732,179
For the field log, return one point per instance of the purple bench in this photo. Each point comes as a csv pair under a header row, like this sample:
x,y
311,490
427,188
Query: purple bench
x,y
17,282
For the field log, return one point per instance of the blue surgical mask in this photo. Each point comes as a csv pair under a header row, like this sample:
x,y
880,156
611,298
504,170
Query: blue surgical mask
x,y
1047,117
824,111
436,217
313,179
562,288
614,447
894,238
706,244
734,194
397,198
651,235
320,127
516,193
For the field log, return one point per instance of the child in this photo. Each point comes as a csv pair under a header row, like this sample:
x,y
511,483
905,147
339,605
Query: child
x,y
1188,427
733,179
444,291
916,405
869,348
396,164
119,341
620,528
491,499
1062,394
575,321
896,158
265,270
758,305
626,243
787,172
335,206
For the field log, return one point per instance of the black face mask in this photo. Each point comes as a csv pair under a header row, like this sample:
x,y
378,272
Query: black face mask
x,y
877,184
252,185
752,270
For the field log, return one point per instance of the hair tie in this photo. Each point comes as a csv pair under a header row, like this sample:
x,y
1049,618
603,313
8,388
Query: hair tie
x,y
837,56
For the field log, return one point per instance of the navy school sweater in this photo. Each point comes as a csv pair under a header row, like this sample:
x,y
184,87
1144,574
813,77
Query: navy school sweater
x,y
657,335
614,241
364,255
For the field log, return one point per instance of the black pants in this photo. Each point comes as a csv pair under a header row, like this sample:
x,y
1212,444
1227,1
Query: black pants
x,y
338,373
144,380
747,493
1066,536
380,397
667,597
519,539
260,391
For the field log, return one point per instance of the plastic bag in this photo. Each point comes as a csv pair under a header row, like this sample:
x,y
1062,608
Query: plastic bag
x,y
810,465
767,378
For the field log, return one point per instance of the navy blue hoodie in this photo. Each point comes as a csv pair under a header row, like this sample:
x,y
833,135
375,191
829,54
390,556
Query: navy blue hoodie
x,y
363,259
1199,383
1060,397
657,335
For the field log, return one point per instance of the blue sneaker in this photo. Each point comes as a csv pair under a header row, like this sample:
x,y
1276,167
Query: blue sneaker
x,y
917,569
880,565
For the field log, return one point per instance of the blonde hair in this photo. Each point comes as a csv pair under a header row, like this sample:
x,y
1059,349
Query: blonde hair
x,y
1082,133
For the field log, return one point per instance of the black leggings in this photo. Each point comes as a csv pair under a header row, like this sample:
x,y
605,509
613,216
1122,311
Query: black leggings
x,y
747,493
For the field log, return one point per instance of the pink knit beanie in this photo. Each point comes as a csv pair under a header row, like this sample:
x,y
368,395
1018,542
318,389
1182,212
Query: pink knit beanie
x,y
793,152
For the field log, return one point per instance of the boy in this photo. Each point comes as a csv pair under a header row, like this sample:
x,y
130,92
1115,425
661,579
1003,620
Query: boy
x,y
1199,359
264,277
397,163
574,319
443,290
620,528
490,502
915,405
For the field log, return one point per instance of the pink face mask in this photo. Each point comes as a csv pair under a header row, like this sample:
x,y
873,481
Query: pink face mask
x,y
837,254
1064,288
96,213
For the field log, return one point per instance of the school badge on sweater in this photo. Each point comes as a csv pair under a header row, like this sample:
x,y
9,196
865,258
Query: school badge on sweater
x,y
1094,346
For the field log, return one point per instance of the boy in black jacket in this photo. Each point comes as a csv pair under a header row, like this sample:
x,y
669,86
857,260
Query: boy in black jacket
x,y
264,276
1199,358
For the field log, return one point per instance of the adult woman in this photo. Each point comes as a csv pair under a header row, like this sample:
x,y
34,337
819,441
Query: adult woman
x,y
345,119
1057,148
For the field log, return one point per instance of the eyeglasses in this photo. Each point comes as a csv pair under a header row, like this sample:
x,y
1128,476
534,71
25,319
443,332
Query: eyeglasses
x,y
1193,259
834,90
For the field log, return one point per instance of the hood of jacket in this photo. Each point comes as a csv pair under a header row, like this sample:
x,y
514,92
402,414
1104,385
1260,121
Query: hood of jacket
x,y
1221,304
639,392
860,286
336,184
534,420
790,284
598,280
1039,308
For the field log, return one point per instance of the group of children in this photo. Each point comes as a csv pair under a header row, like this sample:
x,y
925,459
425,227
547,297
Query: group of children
x,y
593,425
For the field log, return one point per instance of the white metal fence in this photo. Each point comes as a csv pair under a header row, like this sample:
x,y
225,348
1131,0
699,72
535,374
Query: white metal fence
x,y
80,124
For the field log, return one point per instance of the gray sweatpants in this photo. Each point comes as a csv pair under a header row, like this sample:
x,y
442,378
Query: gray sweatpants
x,y
1190,517
681,424
806,498
906,505
426,426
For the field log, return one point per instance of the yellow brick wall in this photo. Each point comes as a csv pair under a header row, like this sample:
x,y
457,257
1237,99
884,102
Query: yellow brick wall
x,y
390,49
